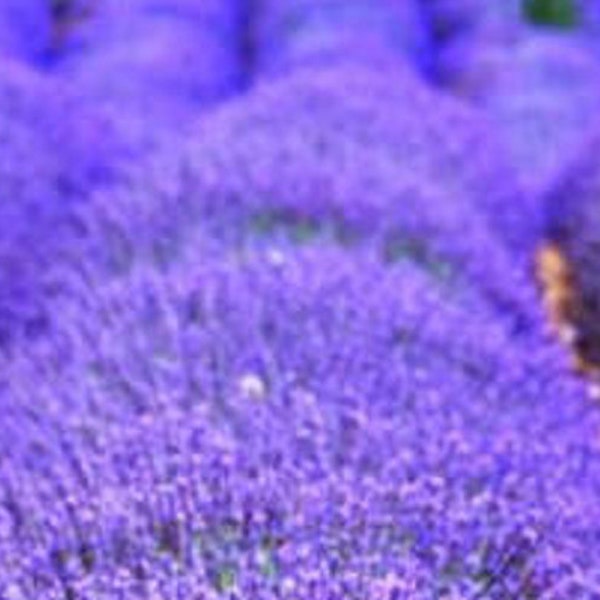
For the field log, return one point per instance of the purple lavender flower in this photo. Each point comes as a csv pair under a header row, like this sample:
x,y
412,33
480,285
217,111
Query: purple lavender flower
x,y
155,64
314,426
307,32
541,92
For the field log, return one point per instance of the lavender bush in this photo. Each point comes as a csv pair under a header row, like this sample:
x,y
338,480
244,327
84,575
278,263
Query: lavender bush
x,y
292,428
289,35
542,92
155,64
349,166
286,351
46,169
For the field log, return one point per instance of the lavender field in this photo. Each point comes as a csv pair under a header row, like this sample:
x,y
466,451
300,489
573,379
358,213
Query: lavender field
x,y
299,300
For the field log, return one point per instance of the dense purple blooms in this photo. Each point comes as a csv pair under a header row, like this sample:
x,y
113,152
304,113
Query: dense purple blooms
x,y
52,155
311,426
348,166
75,147
286,351
155,64
542,94
297,33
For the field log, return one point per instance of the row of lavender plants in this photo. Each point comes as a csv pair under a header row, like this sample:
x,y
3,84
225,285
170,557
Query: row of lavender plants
x,y
269,326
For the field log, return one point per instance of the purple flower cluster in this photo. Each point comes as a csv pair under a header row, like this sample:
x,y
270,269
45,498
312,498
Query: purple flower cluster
x,y
46,169
267,329
540,87
339,178
292,426
301,33
350,167
154,64
542,92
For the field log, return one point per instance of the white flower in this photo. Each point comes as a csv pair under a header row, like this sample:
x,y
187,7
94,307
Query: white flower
x,y
252,386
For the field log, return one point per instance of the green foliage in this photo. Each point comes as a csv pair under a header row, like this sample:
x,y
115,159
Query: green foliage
x,y
559,13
